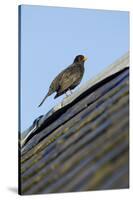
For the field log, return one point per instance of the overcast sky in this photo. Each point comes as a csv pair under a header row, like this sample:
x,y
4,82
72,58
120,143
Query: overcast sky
x,y
50,39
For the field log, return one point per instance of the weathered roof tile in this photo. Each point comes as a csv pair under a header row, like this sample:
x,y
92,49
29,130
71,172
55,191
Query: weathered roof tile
x,y
83,145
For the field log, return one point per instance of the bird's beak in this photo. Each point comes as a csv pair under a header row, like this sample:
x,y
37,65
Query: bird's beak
x,y
85,58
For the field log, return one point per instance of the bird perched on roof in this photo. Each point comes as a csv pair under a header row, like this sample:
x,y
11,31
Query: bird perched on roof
x,y
68,79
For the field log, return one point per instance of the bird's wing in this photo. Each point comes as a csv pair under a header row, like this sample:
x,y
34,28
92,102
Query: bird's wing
x,y
56,83
69,77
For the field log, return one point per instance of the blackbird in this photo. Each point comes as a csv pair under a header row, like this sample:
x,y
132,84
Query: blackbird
x,y
68,79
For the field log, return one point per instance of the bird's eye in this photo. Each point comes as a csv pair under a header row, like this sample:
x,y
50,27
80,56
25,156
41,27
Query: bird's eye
x,y
81,58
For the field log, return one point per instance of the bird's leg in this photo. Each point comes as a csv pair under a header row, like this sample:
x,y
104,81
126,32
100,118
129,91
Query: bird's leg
x,y
70,91
66,94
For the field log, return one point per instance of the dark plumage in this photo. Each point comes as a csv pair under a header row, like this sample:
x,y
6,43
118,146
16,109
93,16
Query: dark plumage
x,y
68,79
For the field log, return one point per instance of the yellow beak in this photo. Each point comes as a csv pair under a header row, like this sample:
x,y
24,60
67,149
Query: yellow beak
x,y
85,58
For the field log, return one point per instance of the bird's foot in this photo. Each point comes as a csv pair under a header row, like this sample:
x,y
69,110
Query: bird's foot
x,y
68,93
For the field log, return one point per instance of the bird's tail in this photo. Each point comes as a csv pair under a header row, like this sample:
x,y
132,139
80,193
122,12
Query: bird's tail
x,y
48,94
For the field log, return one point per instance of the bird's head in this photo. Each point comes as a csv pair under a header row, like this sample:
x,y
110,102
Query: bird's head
x,y
80,59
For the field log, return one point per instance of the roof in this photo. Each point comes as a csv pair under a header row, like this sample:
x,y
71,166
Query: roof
x,y
83,142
